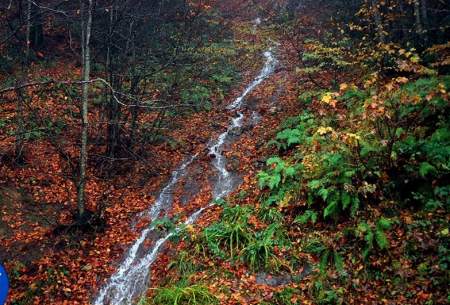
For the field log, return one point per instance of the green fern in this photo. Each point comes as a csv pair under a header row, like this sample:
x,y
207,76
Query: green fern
x,y
374,236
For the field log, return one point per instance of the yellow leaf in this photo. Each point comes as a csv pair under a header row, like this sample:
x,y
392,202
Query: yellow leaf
x,y
401,80
324,130
343,87
389,86
415,59
326,98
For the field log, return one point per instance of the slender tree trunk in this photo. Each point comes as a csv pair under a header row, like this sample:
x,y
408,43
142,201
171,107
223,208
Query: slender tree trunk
x,y
86,23
20,131
425,21
28,32
403,21
133,90
113,107
419,26
134,112
20,122
378,21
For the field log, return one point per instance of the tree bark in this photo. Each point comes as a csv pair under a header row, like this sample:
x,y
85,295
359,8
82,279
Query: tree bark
x,y
20,131
86,24
425,21
419,26
112,106
28,32
378,21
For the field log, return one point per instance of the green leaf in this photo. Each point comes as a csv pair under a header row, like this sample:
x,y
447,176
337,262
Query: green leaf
x,y
426,168
324,261
313,184
274,181
365,252
363,227
331,209
381,239
338,262
399,131
290,171
355,206
384,224
323,193
346,200
305,217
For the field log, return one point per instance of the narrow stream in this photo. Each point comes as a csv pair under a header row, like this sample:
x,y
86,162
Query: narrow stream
x,y
132,276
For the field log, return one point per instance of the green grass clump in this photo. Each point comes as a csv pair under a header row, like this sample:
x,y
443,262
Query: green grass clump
x,y
184,295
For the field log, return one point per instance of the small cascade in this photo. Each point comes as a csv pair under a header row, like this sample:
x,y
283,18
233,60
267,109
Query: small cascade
x,y
268,69
132,277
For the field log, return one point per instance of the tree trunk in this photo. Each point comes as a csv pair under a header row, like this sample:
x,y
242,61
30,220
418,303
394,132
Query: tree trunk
x,y
113,107
403,21
378,21
28,32
20,122
86,24
424,15
20,131
419,26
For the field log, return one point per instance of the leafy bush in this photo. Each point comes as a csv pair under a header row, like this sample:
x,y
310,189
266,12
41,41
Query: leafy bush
x,y
325,57
279,172
401,134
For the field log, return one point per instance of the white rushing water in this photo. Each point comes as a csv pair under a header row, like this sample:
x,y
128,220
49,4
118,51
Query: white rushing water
x,y
132,276
268,69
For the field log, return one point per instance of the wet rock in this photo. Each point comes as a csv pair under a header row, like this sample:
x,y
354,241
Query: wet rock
x,y
259,144
259,163
233,164
264,278
272,280
273,110
236,132
253,102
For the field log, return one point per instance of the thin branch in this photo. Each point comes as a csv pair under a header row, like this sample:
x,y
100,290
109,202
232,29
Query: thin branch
x,y
139,104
